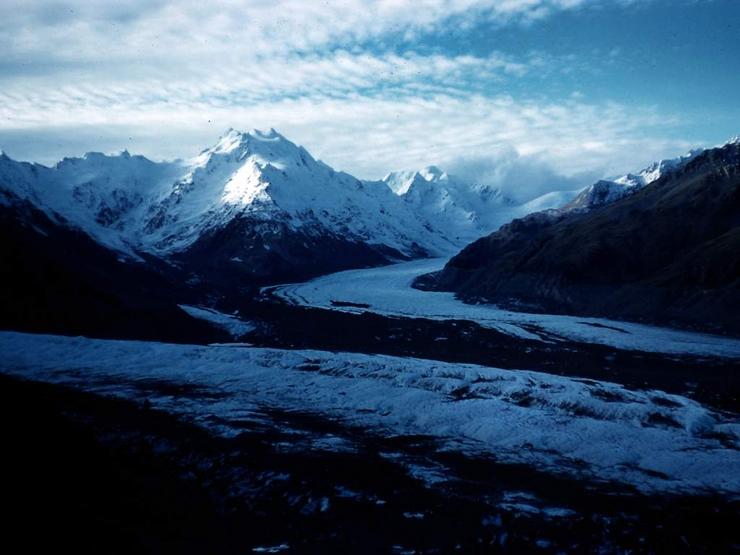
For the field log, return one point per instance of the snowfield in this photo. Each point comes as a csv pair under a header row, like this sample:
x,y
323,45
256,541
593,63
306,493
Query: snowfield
x,y
651,440
230,323
387,290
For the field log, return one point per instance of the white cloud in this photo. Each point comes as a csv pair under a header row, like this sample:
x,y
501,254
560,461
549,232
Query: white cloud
x,y
40,99
159,30
165,78
370,134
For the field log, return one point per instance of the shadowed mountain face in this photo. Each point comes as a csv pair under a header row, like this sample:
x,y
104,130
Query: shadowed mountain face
x,y
246,253
669,253
56,279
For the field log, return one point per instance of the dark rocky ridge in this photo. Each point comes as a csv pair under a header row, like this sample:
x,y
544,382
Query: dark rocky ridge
x,y
247,253
669,253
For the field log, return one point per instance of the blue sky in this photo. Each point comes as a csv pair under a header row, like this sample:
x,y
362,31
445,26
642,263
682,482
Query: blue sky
x,y
543,93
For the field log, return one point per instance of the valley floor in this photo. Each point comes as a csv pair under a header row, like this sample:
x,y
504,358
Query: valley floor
x,y
649,440
367,416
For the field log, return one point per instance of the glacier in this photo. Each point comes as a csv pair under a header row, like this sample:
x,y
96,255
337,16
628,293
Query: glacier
x,y
649,440
388,291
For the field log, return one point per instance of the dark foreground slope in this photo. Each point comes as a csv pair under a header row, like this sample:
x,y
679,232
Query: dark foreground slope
x,y
668,254
84,473
56,279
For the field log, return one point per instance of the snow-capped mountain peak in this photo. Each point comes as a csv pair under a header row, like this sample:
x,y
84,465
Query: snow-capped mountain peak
x,y
254,142
607,191
463,209
657,169
401,182
433,173
264,147
264,178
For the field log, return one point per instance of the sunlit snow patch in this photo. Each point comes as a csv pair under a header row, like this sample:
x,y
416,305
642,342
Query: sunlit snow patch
x,y
232,324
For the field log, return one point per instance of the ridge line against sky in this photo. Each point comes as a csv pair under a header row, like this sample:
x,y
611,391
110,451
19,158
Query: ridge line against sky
x,y
548,93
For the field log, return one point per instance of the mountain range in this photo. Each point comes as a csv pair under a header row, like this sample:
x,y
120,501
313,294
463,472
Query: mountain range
x,y
606,191
123,235
257,204
461,210
259,182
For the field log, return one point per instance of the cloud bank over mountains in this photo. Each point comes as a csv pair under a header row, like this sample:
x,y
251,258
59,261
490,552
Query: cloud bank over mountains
x,y
368,86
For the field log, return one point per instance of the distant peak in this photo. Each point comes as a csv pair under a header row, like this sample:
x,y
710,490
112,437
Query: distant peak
x,y
92,155
233,139
269,135
402,181
232,134
100,156
432,173
733,141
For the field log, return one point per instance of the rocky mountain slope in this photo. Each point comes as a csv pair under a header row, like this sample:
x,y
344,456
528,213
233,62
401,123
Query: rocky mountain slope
x,y
669,253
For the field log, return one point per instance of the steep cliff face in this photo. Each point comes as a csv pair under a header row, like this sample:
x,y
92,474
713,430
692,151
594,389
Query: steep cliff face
x,y
670,252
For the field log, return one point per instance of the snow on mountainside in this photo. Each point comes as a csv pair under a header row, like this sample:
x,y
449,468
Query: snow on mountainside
x,y
260,191
105,196
464,211
607,191
132,204
657,169
401,182
264,176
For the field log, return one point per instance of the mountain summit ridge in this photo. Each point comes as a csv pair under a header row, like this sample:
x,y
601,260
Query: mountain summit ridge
x,y
131,203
